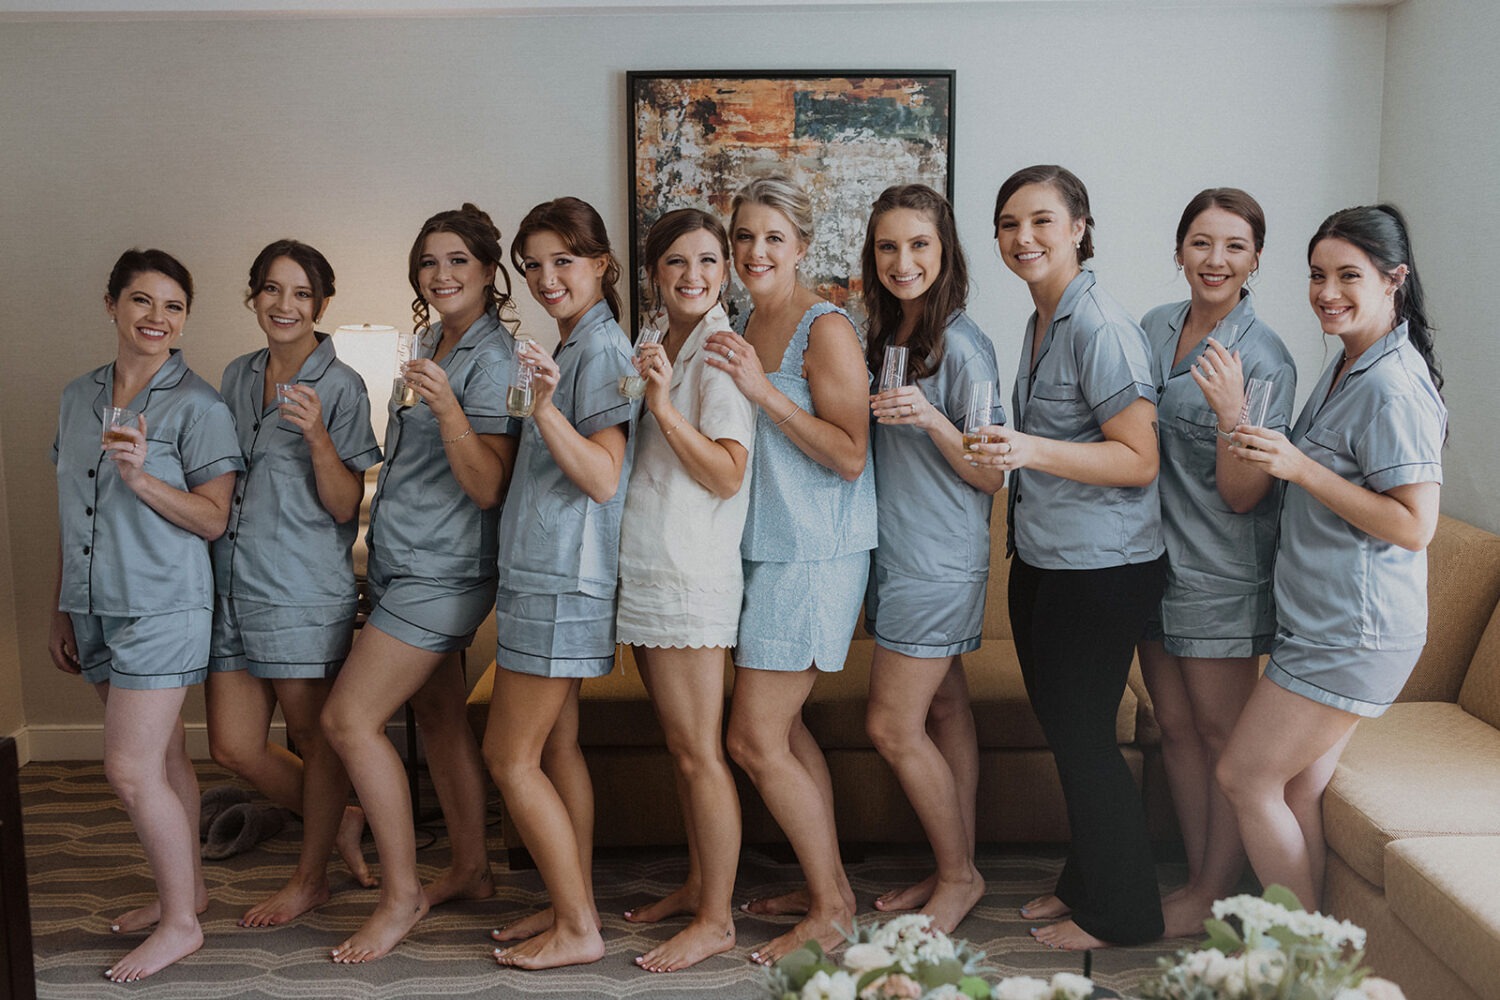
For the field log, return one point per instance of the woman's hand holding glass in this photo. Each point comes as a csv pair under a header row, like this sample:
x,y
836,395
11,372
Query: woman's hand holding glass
x,y
429,380
1002,447
545,373
302,408
651,361
905,405
1222,378
1270,451
126,447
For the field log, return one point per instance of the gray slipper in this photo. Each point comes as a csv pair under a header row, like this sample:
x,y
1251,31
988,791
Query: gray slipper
x,y
215,801
240,827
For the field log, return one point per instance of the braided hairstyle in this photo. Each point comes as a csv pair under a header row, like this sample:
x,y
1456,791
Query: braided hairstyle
x,y
480,234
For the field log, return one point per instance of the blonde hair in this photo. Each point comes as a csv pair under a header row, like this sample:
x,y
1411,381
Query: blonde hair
x,y
784,195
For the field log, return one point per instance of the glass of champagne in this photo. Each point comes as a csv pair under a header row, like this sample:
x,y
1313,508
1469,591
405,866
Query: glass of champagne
x,y
519,401
116,417
284,393
893,368
1257,402
409,347
981,408
634,386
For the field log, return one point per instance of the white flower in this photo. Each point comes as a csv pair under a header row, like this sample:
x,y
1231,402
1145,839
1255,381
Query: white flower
x,y
947,991
1020,988
861,958
1256,916
1071,986
822,986
1264,966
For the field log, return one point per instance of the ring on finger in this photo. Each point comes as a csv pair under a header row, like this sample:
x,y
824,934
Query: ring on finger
x,y
729,354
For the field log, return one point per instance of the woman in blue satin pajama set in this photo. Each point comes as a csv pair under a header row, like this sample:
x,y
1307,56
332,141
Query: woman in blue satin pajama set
x,y
1363,467
448,460
135,589
1201,658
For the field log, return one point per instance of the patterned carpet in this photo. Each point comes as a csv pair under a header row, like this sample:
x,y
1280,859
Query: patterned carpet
x,y
86,866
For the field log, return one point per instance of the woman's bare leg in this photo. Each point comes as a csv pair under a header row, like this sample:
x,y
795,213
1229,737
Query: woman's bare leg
x,y
950,723
1279,736
524,712
325,793
458,778
143,749
381,674
764,723
687,690
902,689
1217,690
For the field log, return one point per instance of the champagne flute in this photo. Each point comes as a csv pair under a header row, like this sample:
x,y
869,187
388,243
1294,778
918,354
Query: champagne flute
x,y
519,400
1257,402
893,368
633,386
981,407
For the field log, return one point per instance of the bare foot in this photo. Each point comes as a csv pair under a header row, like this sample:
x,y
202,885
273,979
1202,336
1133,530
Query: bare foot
x,y
681,900
822,927
553,948
1068,936
1047,907
952,901
144,916
287,903
348,842
460,885
1184,914
910,898
695,942
392,920
526,927
165,946
788,904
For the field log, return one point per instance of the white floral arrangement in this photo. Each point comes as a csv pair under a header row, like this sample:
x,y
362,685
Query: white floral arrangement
x,y
906,959
1279,950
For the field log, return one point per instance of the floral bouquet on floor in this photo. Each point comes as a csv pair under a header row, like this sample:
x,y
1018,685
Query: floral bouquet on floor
x,y
905,959
1279,951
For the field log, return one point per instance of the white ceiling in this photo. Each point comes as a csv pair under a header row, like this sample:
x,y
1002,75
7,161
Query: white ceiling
x,y
65,9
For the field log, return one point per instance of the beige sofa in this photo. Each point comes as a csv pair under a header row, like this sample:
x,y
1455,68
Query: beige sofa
x,y
1412,816
1020,799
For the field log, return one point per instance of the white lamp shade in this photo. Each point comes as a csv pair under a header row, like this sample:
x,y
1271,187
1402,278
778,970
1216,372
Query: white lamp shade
x,y
370,349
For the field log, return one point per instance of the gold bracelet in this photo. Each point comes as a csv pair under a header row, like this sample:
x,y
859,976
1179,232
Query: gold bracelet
x,y
795,410
459,438
675,426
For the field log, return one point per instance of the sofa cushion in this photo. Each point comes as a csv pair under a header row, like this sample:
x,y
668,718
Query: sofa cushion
x,y
1423,769
1480,695
1463,587
1447,891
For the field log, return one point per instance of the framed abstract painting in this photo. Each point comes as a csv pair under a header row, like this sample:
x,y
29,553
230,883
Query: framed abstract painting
x,y
697,136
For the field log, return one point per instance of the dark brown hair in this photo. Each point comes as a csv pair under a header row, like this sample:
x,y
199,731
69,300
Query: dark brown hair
x,y
948,294
582,231
1074,195
1380,231
1231,200
480,234
135,261
672,227
319,272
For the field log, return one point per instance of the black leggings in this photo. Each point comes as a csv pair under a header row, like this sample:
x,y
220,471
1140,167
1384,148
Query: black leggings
x,y
1075,633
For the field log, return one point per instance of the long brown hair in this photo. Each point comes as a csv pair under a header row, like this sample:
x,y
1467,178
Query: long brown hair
x,y
948,294
480,234
582,231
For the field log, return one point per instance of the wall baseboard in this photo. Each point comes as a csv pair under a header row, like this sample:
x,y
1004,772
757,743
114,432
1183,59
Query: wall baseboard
x,y
86,742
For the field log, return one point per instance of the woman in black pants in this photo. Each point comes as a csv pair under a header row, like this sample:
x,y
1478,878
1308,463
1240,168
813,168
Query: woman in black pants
x,y
1085,534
